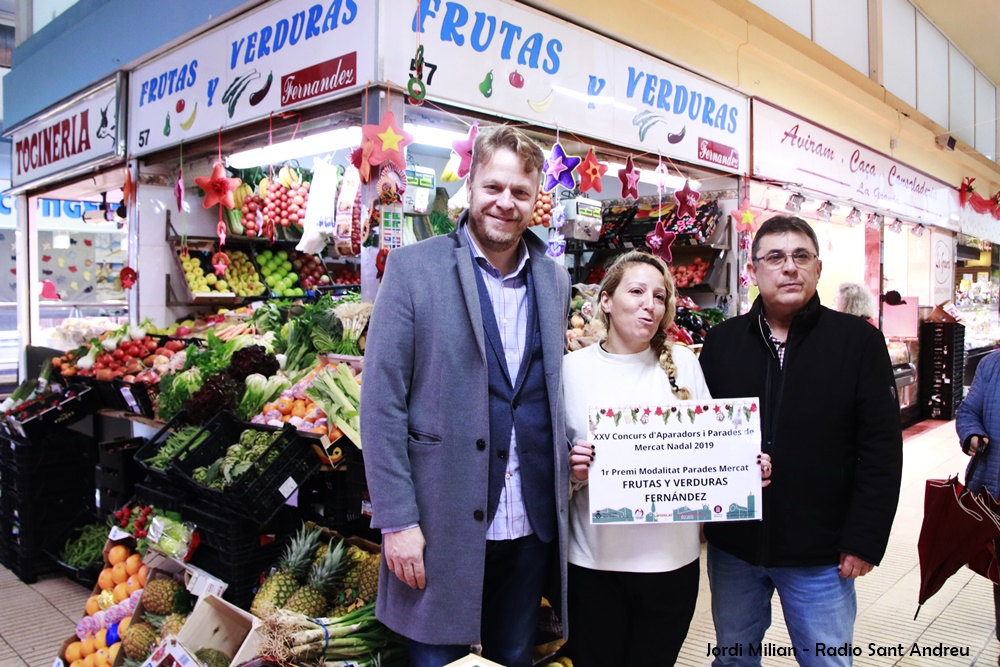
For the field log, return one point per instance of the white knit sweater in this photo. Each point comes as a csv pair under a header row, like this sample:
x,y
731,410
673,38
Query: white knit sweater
x,y
595,378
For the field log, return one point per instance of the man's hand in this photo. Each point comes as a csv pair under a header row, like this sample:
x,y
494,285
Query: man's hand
x,y
580,458
404,554
852,567
977,442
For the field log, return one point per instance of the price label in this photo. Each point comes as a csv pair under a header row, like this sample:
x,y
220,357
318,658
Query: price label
x,y
288,488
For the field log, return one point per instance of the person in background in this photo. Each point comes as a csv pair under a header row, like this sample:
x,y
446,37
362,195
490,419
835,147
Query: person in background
x,y
463,427
626,581
830,421
977,422
855,299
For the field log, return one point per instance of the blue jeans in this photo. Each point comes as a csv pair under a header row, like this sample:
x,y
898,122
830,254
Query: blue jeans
x,y
819,608
512,594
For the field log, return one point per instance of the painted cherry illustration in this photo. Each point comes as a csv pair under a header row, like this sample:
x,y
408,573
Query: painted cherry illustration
x,y
516,79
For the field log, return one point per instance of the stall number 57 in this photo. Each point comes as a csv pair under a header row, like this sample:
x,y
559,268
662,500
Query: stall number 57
x,y
143,138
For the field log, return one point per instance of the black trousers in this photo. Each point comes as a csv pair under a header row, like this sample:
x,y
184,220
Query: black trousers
x,y
630,618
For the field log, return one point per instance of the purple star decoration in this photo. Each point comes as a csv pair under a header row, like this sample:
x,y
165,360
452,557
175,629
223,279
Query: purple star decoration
x,y
557,245
559,169
659,241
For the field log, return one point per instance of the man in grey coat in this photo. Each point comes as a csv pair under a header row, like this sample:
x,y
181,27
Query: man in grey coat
x,y
463,423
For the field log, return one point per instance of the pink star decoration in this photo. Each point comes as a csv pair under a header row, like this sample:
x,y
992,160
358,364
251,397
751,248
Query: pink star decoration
x,y
218,187
591,171
220,262
463,147
387,141
659,241
687,201
744,218
559,169
179,191
629,176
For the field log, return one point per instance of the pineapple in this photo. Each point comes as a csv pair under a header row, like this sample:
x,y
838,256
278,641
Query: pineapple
x,y
311,599
139,641
360,584
163,597
172,624
291,573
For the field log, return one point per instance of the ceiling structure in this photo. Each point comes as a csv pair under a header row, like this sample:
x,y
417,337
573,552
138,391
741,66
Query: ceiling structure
x,y
973,26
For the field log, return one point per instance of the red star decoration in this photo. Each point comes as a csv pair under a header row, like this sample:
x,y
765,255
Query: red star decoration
x,y
629,176
687,201
463,147
220,262
128,277
744,218
218,187
387,141
659,241
591,171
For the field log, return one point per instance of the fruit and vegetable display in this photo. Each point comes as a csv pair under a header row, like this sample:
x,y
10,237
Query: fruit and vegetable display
x,y
200,274
252,450
241,274
689,275
279,274
319,604
285,197
85,547
309,269
542,213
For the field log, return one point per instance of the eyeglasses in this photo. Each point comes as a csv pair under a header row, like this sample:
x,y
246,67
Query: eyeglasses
x,y
777,259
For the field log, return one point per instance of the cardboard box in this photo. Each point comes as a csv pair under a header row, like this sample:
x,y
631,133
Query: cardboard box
x,y
170,653
217,624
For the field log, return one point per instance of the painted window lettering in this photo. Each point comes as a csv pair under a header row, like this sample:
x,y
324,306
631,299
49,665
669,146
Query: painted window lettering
x,y
485,32
661,93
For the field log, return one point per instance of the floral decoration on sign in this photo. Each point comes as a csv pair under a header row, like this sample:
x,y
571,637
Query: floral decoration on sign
x,y
559,168
591,172
737,413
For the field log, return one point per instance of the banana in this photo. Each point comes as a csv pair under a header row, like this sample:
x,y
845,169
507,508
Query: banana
x,y
186,125
450,173
283,176
542,105
262,187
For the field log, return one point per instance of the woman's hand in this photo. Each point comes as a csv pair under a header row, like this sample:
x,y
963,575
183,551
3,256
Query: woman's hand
x,y
764,461
580,458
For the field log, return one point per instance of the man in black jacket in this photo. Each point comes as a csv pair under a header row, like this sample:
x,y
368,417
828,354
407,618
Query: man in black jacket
x,y
830,421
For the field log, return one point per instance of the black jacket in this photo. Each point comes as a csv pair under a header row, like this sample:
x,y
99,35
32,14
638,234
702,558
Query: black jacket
x,y
829,420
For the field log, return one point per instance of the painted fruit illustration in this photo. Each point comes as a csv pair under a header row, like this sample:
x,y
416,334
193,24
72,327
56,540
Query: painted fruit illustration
x,y
516,79
486,87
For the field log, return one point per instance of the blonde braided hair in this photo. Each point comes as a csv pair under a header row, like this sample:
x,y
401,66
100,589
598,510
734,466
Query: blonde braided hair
x,y
660,344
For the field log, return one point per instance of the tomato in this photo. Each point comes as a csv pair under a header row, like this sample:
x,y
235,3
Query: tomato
x,y
151,345
118,354
174,345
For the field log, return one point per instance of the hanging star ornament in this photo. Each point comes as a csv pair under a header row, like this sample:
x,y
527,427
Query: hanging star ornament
x,y
744,218
559,168
387,141
659,241
128,189
687,201
591,172
179,191
556,245
629,176
463,148
218,187
128,277
220,262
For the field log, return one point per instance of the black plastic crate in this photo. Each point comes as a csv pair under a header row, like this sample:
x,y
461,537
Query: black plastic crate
x,y
60,448
226,532
258,493
118,456
72,406
154,444
29,566
164,496
243,579
139,397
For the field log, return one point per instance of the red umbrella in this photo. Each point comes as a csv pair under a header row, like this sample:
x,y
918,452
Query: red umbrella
x,y
957,526
984,561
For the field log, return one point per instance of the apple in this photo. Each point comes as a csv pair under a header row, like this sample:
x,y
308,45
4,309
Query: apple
x,y
516,79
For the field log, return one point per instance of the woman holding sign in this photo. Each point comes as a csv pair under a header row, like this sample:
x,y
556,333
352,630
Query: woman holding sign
x,y
632,589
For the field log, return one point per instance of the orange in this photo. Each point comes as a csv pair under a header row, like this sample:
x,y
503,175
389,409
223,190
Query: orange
x,y
121,591
118,554
123,625
100,639
104,580
87,647
132,584
133,563
113,652
90,661
118,572
93,606
143,571
101,657
76,663
73,652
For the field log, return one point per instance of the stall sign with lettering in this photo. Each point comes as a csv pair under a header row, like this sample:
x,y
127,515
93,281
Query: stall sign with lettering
x,y
280,57
792,150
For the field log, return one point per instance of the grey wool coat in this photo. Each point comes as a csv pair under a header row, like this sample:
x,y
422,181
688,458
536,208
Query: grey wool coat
x,y
425,403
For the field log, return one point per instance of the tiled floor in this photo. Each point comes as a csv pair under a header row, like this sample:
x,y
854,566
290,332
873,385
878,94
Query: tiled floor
x,y
36,619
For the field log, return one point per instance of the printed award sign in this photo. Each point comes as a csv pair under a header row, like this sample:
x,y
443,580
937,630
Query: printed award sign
x,y
689,461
